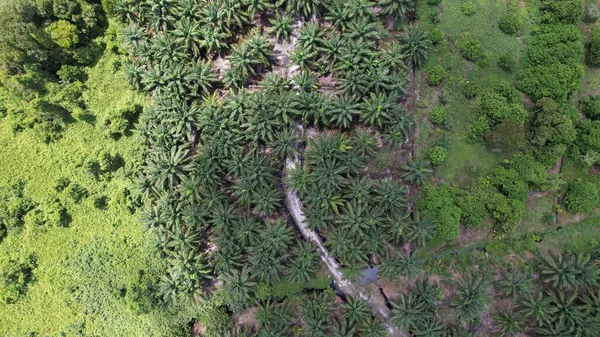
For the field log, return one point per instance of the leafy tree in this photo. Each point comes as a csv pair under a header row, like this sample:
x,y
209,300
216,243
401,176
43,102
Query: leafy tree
x,y
594,48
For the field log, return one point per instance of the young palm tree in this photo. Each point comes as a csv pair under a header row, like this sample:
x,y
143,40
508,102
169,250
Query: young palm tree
x,y
568,313
514,284
419,232
201,78
257,7
471,295
378,109
396,134
281,25
304,264
537,307
261,49
560,272
238,286
409,265
305,8
398,9
342,328
508,321
391,57
234,15
188,35
356,311
372,327
310,37
409,311
428,292
362,29
391,197
415,171
390,266
415,45
364,143
430,327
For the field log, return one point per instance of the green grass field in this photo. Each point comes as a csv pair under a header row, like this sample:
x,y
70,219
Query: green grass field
x,y
85,271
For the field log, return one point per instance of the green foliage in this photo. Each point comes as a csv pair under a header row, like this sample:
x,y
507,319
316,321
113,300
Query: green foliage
x,y
15,277
590,105
436,75
581,197
587,145
470,48
553,68
471,90
63,33
511,22
507,63
552,130
468,8
561,11
438,115
437,203
437,36
594,47
437,155
508,135
591,13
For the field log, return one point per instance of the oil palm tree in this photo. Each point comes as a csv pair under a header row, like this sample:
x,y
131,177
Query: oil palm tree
x,y
429,328
507,321
188,35
415,171
409,311
343,110
419,232
201,78
409,265
372,327
514,284
356,311
238,285
560,272
397,132
471,296
281,26
378,109
304,8
390,196
304,263
391,57
398,9
537,307
415,45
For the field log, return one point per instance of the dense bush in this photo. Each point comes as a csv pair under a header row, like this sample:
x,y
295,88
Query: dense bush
x,y
530,170
552,130
507,63
553,68
508,135
510,183
587,144
590,105
434,2
581,197
470,48
511,22
557,81
561,11
501,103
438,115
436,75
437,155
477,129
437,203
591,13
594,47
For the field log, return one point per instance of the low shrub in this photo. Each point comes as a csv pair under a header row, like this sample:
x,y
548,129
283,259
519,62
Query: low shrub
x,y
436,36
510,23
436,75
468,8
470,48
507,63
437,155
438,115
471,90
